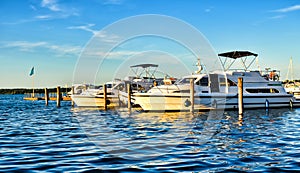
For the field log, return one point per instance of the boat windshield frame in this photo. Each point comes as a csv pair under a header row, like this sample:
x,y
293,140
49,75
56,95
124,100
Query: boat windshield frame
x,y
186,80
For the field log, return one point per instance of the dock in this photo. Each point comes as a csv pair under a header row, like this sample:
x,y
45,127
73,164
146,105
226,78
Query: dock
x,y
54,96
40,96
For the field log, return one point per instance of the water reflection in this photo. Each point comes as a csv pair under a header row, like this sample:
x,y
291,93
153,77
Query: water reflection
x,y
143,135
213,140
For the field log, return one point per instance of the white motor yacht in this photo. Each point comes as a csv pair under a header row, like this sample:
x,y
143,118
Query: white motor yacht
x,y
218,90
87,95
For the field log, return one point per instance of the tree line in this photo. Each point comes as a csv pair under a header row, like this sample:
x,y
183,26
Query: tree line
x,y
26,90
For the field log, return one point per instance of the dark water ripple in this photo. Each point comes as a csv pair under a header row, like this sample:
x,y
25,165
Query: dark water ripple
x,y
39,138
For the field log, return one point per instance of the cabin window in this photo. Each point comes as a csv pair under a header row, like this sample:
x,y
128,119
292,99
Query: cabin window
x,y
202,82
138,87
182,91
109,85
222,81
120,87
135,86
229,82
185,81
296,94
262,90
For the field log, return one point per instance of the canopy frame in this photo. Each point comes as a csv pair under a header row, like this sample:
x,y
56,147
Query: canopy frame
x,y
148,69
235,55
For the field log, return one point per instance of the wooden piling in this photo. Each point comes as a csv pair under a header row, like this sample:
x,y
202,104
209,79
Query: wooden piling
x,y
240,95
105,96
192,97
119,100
58,96
129,97
240,121
46,96
72,92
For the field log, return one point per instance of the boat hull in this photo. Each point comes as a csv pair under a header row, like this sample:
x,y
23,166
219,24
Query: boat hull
x,y
91,101
181,102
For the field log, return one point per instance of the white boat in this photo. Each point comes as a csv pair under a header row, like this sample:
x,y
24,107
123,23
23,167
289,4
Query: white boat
x,y
145,77
218,90
87,95
293,87
290,85
92,96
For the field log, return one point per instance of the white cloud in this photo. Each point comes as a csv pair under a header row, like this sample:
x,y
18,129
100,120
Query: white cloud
x,y
43,17
277,17
58,10
65,49
35,19
33,7
288,9
113,54
23,45
207,10
35,46
51,5
85,28
60,15
105,38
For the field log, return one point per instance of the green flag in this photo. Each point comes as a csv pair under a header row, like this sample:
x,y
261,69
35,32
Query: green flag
x,y
31,71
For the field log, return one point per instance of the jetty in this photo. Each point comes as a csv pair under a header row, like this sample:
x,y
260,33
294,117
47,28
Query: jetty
x,y
48,94
40,96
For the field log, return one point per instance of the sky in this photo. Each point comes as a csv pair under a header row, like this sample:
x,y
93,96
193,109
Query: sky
x,y
86,41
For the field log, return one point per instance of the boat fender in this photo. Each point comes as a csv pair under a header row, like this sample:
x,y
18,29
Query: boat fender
x,y
215,104
187,103
291,104
107,102
267,104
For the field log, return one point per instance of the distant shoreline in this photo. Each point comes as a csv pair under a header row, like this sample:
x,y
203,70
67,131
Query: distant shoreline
x,y
29,90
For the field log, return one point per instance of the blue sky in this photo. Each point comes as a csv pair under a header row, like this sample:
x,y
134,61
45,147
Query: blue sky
x,y
52,34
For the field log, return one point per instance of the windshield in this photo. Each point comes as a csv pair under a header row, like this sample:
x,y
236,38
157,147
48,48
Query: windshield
x,y
184,81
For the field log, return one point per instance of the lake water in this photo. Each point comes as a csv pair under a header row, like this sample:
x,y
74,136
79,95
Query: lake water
x,y
39,138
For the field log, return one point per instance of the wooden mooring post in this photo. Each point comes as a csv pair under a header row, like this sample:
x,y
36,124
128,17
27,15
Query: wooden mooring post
x,y
72,101
192,97
105,96
58,96
119,100
46,96
129,97
240,95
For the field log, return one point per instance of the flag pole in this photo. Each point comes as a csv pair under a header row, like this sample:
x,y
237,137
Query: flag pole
x,y
33,86
32,74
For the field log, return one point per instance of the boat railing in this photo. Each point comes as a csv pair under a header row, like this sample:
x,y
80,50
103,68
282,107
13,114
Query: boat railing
x,y
237,70
273,75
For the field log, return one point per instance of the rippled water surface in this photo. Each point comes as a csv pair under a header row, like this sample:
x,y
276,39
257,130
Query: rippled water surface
x,y
39,138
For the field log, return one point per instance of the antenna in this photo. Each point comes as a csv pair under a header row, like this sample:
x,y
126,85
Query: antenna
x,y
198,64
290,70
